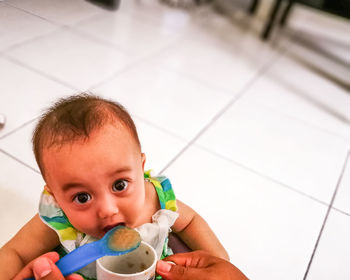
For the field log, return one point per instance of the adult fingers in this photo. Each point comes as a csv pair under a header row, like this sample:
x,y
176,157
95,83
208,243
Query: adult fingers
x,y
196,259
178,272
74,277
44,268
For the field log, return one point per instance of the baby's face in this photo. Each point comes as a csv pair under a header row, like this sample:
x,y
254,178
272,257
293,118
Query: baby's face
x,y
99,182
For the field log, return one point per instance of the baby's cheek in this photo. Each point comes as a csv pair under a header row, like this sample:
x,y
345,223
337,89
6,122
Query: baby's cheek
x,y
134,214
82,222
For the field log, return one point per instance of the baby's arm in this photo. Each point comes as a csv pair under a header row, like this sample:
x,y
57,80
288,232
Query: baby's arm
x,y
33,240
196,233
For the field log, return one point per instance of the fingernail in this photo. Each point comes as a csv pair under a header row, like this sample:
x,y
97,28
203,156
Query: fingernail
x,y
74,277
41,268
164,266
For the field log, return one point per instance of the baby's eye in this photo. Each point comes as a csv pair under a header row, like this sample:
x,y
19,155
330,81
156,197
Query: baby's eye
x,y
119,185
82,198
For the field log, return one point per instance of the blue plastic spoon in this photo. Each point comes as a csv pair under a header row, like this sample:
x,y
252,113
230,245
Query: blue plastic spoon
x,y
119,240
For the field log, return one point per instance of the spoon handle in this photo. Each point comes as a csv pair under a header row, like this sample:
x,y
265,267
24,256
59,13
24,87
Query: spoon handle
x,y
80,257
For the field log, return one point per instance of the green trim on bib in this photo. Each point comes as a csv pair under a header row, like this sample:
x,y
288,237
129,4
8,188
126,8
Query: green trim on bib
x,y
166,195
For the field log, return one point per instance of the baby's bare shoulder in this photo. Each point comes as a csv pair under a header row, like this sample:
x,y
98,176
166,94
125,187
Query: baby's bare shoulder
x,y
152,204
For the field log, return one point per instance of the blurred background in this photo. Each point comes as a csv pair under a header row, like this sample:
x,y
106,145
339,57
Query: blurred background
x,y
245,105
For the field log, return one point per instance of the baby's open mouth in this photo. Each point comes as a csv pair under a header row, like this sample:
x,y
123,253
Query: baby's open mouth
x,y
107,228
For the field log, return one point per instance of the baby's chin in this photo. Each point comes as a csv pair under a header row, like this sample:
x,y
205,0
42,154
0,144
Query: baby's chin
x,y
92,233
97,235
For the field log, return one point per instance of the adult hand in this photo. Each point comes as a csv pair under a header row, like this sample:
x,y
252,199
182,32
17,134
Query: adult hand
x,y
198,265
44,268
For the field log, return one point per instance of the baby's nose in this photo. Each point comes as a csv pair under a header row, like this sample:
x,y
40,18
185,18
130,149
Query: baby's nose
x,y
107,207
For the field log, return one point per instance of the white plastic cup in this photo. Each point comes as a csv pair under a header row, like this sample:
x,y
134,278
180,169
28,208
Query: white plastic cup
x,y
137,265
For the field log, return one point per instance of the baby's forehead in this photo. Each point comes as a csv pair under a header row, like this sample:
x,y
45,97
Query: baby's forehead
x,y
66,142
62,150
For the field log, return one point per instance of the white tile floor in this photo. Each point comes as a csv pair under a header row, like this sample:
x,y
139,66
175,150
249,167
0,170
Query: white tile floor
x,y
255,136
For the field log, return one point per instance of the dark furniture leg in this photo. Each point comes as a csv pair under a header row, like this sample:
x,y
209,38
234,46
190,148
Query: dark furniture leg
x,y
106,4
2,121
253,7
286,13
271,19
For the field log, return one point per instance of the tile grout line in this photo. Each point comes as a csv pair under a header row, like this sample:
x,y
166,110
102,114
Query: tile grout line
x,y
133,63
201,132
269,178
158,127
17,128
60,27
41,73
327,215
30,13
48,20
19,161
304,122
245,88
96,40
30,40
341,211
198,80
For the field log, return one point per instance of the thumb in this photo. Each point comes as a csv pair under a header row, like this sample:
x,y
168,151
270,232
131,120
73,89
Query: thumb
x,y
170,271
44,268
41,267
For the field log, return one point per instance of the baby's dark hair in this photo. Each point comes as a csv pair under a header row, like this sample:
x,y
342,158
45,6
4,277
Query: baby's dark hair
x,y
74,118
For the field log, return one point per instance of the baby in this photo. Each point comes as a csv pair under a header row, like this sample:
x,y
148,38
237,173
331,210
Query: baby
x,y
89,154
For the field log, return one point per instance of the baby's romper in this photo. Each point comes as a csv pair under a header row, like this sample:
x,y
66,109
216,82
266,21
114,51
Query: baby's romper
x,y
155,233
